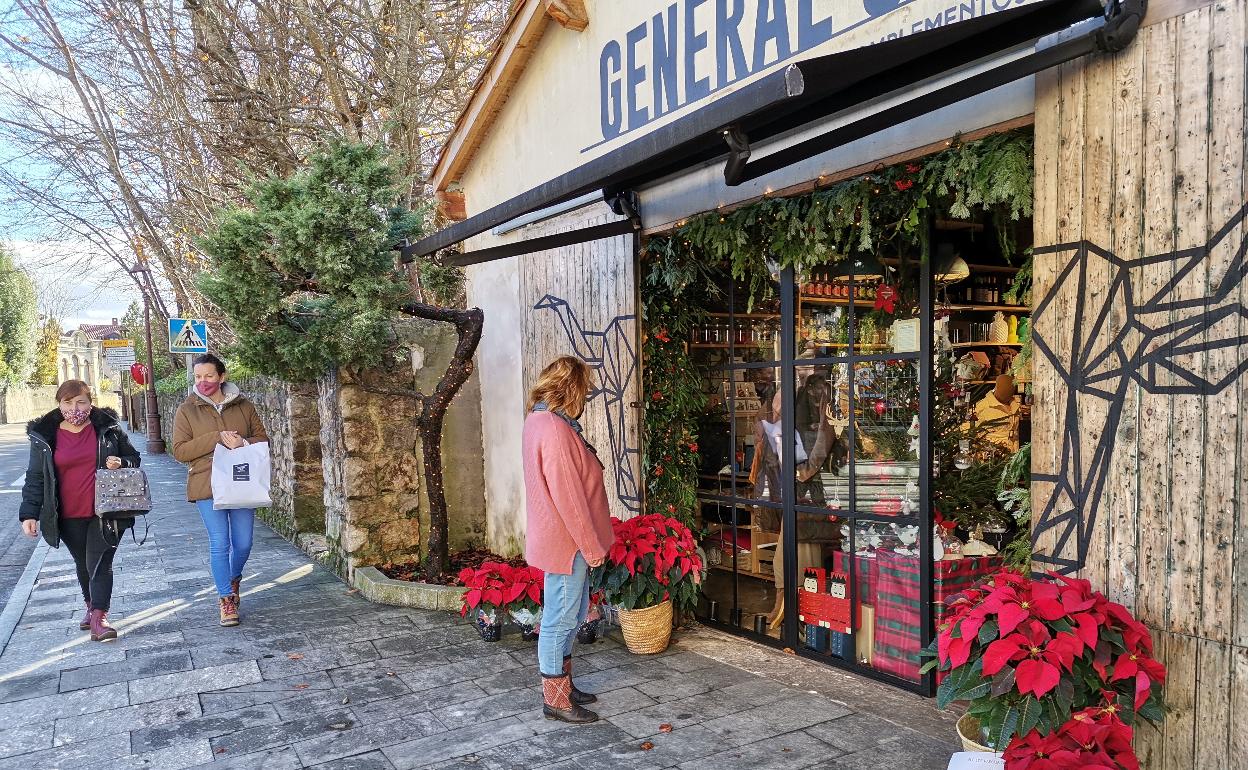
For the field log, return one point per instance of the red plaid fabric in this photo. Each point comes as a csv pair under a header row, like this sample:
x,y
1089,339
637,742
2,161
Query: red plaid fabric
x,y
897,608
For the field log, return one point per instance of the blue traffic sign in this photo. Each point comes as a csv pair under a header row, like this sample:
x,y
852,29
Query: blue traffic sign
x,y
188,335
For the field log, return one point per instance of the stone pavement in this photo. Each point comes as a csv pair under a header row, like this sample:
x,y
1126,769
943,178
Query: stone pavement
x,y
317,677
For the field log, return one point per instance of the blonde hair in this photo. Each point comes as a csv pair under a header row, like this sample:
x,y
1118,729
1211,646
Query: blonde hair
x,y
563,385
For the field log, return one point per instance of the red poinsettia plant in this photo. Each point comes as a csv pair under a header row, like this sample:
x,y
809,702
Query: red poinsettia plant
x,y
494,587
1092,739
1028,653
654,558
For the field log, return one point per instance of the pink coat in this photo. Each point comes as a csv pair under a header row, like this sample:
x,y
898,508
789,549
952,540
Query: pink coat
x,y
567,502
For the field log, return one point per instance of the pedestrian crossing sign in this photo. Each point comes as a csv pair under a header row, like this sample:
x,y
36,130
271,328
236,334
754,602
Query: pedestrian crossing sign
x,y
188,335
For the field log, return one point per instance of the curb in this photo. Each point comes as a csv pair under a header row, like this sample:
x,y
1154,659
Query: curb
x,y
16,605
379,589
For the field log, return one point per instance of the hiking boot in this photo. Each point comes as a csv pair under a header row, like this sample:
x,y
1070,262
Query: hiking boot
x,y
235,585
101,631
229,610
85,623
557,701
578,697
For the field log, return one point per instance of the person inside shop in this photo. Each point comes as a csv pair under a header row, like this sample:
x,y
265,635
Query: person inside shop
x,y
766,469
998,413
67,446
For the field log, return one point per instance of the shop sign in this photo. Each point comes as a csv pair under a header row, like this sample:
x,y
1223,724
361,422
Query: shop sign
x,y
691,49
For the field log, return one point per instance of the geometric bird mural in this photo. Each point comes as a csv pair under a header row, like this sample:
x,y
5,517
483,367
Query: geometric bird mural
x,y
610,354
1159,348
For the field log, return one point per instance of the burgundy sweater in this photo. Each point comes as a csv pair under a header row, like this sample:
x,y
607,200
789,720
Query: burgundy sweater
x,y
567,502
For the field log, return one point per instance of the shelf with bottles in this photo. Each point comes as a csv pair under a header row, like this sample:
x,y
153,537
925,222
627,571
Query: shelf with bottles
x,y
985,344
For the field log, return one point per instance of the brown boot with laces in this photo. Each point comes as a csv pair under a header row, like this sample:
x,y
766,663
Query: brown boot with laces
x,y
558,705
85,623
229,610
235,585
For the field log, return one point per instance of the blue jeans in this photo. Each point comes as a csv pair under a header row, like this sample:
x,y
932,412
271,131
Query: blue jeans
x,y
229,541
565,605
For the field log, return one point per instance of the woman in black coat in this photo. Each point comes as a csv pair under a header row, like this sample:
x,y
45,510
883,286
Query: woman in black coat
x,y
67,446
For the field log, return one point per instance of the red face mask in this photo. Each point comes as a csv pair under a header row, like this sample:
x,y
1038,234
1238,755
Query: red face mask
x,y
207,388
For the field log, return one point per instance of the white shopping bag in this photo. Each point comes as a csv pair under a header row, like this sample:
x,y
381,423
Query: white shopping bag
x,y
240,477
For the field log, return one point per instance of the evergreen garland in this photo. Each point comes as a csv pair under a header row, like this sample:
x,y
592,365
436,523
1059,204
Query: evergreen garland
x,y
672,385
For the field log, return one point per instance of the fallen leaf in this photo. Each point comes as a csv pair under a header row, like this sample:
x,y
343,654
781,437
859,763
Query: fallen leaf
x,y
353,591
647,746
391,673
789,651
299,655
302,686
665,728
786,749
220,750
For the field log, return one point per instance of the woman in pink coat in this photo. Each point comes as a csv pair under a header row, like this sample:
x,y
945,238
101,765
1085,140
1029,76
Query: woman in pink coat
x,y
569,526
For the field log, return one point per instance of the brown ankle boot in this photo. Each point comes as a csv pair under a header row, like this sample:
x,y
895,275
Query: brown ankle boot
x,y
235,585
558,705
101,631
229,611
578,697
85,623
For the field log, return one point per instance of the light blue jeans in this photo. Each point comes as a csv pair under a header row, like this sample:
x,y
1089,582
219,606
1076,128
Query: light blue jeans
x,y
565,605
229,541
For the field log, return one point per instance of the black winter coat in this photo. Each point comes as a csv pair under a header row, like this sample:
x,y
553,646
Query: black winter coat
x,y
39,495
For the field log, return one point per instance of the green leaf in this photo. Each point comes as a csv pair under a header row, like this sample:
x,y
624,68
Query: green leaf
x,y
1152,710
975,691
1029,715
1003,682
988,632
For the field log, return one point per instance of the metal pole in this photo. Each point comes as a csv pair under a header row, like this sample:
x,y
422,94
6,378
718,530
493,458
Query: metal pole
x,y
190,373
155,442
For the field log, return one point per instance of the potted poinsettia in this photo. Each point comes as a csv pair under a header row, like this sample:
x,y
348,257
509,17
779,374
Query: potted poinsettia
x,y
1092,739
486,596
1028,655
653,564
523,595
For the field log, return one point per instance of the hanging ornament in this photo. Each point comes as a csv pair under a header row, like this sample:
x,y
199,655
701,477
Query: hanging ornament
x,y
914,427
886,298
880,408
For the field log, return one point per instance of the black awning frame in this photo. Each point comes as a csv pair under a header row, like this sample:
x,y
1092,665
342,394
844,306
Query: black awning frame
x,y
806,91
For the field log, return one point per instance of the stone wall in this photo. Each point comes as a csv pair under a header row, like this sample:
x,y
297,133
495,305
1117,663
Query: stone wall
x,y
376,504
21,403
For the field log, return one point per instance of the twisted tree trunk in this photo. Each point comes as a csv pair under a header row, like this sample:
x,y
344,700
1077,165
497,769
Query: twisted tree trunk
x,y
468,324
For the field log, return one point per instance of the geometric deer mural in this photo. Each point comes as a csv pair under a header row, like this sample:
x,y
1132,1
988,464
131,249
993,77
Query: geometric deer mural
x,y
1159,349
610,354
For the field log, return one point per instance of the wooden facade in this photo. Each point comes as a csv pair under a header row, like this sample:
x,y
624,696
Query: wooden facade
x,y
1140,423
581,300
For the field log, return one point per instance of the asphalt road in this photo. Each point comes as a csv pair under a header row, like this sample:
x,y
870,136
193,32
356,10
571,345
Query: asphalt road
x,y
15,548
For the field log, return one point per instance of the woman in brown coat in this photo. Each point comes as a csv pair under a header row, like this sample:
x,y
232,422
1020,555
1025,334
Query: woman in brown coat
x,y
216,412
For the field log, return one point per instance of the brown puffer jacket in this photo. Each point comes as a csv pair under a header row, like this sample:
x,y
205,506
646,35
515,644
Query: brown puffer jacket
x,y
197,430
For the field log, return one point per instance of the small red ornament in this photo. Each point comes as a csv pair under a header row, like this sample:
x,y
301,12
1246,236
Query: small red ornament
x,y
880,408
912,168
886,298
662,336
656,396
903,184
693,447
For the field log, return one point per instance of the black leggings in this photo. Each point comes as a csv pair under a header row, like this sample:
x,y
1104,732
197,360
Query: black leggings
x,y
94,558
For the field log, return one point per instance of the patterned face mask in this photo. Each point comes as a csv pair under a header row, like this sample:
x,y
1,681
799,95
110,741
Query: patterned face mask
x,y
76,416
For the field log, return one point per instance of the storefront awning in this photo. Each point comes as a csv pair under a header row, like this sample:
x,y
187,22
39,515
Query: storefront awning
x,y
806,91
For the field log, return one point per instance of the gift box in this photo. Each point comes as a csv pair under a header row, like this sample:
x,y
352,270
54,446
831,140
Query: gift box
x,y
817,638
839,645
897,616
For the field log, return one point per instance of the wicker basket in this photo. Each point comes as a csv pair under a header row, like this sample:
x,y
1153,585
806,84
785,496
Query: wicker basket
x,y
649,630
969,725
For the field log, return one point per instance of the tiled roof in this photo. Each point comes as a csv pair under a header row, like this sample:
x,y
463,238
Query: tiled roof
x,y
101,331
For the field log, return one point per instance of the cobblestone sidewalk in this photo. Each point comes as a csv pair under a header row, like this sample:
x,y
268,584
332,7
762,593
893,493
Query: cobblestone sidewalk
x,y
317,677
